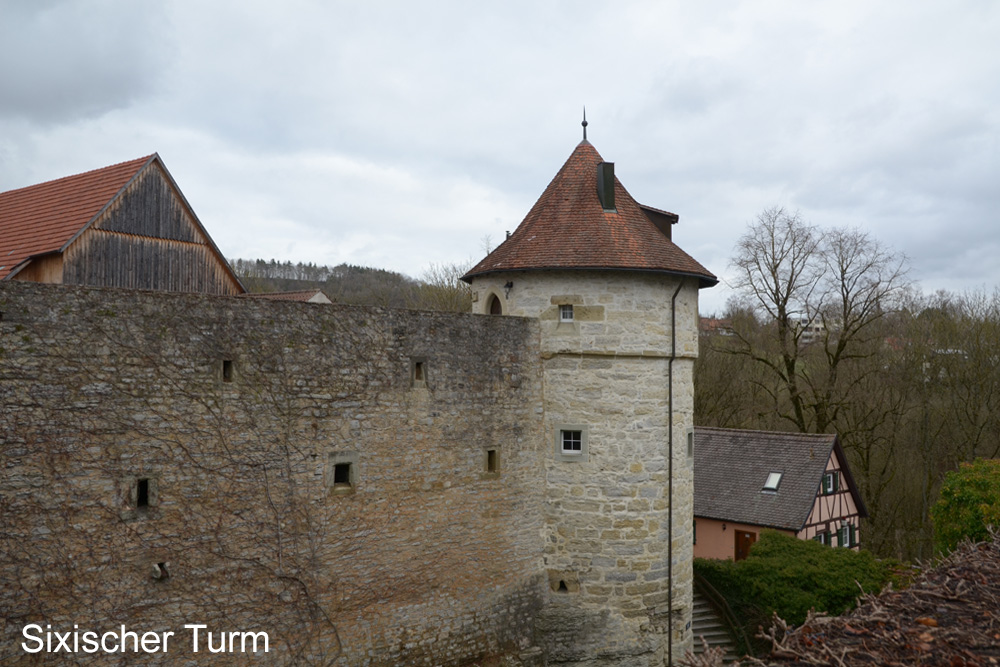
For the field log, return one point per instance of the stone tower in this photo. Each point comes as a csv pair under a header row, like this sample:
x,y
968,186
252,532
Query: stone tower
x,y
617,304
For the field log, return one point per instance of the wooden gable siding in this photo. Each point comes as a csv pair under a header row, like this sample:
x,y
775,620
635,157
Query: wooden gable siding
x,y
44,269
831,510
148,239
150,207
111,259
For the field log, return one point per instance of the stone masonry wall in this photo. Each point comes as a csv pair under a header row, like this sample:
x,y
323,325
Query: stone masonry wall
x,y
608,507
320,473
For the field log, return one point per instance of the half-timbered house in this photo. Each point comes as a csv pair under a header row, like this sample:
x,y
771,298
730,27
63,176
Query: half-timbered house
x,y
126,225
795,483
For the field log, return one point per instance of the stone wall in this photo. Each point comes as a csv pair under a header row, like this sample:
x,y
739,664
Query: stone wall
x,y
606,376
320,473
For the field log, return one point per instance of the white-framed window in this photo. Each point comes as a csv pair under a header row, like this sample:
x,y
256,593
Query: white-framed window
x,y
772,482
571,442
846,536
831,483
822,538
566,312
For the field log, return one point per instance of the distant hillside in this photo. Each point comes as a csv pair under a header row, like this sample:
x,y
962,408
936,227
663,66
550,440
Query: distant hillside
x,y
439,289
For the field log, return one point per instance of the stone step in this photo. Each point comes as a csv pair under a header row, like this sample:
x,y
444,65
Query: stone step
x,y
706,624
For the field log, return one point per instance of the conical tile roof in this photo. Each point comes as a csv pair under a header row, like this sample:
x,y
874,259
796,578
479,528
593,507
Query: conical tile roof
x,y
568,228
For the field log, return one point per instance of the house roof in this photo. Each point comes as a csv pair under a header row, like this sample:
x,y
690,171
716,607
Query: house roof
x,y
305,296
44,218
731,466
568,228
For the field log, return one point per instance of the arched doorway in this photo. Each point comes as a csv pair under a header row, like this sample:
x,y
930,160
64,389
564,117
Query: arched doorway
x,y
496,308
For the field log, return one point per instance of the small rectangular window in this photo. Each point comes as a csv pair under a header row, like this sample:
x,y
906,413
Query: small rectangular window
x,y
342,474
772,482
566,313
142,494
845,535
572,442
342,471
418,372
227,370
492,462
822,538
831,483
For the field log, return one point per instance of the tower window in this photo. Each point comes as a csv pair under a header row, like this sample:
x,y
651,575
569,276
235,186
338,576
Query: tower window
x,y
492,462
227,370
572,442
566,312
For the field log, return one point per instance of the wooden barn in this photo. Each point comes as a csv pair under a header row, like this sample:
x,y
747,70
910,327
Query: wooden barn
x,y
795,483
127,225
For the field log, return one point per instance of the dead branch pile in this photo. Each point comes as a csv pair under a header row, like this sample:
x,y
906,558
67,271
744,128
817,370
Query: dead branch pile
x,y
949,616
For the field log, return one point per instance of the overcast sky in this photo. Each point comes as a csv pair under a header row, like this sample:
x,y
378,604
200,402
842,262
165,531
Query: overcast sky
x,y
396,134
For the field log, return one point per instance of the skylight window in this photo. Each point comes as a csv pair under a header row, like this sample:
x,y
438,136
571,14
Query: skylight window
x,y
773,480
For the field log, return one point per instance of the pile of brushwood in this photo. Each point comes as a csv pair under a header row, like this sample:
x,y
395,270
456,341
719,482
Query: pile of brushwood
x,y
949,615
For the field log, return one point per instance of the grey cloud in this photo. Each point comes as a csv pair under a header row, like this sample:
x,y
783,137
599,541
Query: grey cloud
x,y
71,59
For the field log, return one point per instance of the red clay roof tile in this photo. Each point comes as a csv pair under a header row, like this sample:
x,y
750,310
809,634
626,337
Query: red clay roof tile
x,y
568,228
43,218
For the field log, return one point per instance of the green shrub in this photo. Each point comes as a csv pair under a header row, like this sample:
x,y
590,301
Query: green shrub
x,y
969,502
789,576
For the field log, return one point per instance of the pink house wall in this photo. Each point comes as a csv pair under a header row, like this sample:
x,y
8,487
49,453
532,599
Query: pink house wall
x,y
717,539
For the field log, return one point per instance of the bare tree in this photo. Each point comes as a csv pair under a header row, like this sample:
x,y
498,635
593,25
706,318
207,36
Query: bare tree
x,y
441,288
820,295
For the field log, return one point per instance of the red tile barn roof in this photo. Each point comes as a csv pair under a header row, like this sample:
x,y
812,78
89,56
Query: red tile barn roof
x,y
44,218
568,228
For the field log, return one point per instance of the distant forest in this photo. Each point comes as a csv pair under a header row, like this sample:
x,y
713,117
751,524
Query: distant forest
x,y
438,288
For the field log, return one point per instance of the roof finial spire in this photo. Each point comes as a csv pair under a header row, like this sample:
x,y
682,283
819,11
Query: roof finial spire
x,y
584,123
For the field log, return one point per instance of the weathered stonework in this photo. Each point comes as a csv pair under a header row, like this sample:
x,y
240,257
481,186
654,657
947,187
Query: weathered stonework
x,y
423,560
324,473
607,375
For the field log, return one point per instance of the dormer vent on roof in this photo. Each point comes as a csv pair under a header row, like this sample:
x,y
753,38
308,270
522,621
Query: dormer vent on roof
x,y
606,186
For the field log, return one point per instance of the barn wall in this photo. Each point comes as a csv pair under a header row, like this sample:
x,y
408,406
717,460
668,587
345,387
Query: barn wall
x,y
148,239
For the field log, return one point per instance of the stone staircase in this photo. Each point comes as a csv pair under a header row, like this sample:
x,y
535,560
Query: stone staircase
x,y
705,623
